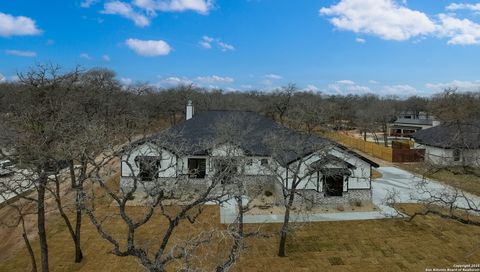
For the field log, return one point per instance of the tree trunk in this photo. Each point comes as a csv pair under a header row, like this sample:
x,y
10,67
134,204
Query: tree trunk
x,y
42,234
77,186
29,247
73,234
385,135
78,225
286,220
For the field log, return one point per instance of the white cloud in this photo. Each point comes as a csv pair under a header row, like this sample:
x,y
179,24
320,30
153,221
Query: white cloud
x,y
457,6
149,48
273,76
208,42
343,87
225,46
85,56
371,81
464,86
200,6
209,82
17,26
88,3
106,58
20,53
347,87
383,18
127,11
174,81
311,88
345,82
2,78
126,81
400,90
460,31
215,79
390,20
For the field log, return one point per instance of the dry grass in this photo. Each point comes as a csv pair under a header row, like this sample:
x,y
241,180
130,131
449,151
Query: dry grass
x,y
453,177
375,245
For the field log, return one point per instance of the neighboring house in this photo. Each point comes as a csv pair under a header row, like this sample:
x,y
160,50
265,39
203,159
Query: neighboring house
x,y
266,153
451,144
408,123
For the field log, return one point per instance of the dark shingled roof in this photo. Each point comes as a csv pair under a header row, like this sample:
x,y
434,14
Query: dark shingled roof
x,y
450,135
250,130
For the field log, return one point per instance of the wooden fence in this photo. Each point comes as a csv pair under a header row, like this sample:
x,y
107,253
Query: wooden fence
x,y
373,149
401,153
408,155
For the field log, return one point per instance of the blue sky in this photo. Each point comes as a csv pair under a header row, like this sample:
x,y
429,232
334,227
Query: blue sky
x,y
335,47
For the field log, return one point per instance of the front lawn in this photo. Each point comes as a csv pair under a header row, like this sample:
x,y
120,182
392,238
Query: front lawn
x,y
372,245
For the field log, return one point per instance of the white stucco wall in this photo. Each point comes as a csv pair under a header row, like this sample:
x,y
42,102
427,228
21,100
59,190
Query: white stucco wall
x,y
444,157
167,163
360,178
171,166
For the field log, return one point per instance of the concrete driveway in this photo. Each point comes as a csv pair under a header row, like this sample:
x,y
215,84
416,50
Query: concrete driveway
x,y
403,183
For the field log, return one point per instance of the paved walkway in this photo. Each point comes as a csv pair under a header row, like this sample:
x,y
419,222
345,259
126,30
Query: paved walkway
x,y
394,179
16,181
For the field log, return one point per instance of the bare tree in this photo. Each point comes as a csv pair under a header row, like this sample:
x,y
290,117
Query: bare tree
x,y
293,154
35,116
161,188
12,188
280,102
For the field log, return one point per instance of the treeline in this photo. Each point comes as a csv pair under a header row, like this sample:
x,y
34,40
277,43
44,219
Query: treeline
x,y
102,92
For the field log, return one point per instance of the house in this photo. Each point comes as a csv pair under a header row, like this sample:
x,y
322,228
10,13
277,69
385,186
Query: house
x,y
408,123
451,144
266,154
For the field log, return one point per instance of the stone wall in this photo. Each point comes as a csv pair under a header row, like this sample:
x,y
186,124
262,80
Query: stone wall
x,y
257,186
318,199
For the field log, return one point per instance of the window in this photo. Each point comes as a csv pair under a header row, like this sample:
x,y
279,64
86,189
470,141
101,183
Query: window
x,y
333,185
197,168
148,167
264,162
225,170
456,155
